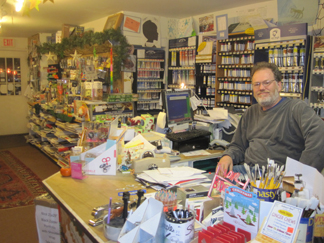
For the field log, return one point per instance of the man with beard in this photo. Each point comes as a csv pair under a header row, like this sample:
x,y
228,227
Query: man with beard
x,y
274,128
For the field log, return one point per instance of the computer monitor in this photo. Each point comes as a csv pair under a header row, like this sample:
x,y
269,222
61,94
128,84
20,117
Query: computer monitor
x,y
178,107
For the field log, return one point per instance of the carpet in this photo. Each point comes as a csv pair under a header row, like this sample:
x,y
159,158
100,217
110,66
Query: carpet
x,y
18,184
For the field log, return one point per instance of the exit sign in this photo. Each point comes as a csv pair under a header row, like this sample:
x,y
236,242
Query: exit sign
x,y
7,42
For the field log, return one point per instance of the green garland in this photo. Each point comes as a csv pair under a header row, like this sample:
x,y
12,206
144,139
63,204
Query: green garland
x,y
91,38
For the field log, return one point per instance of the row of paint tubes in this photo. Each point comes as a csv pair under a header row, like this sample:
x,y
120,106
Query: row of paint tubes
x,y
149,106
186,58
149,96
235,86
290,56
237,72
237,46
183,76
292,83
319,61
209,91
246,99
145,64
245,59
148,74
149,85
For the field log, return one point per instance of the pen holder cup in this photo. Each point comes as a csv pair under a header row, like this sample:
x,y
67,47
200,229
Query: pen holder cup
x,y
268,195
179,230
112,230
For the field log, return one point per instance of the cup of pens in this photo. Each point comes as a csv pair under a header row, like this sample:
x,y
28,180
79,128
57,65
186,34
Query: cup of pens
x,y
264,194
113,227
179,226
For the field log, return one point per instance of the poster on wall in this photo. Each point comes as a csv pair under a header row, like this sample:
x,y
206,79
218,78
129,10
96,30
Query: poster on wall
x,y
178,28
132,24
151,32
297,11
222,27
206,23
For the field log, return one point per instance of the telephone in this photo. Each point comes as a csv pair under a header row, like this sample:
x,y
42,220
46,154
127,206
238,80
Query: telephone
x,y
218,143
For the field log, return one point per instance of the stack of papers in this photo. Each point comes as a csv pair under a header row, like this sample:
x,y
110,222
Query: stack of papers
x,y
173,176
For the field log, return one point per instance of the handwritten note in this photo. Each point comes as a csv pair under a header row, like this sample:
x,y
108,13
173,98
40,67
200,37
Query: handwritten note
x,y
48,226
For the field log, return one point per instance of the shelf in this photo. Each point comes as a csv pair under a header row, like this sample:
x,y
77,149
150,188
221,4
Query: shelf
x,y
150,69
317,88
182,68
235,66
292,69
183,48
280,44
149,91
292,95
149,80
239,79
317,105
150,60
318,71
148,101
243,38
230,53
237,92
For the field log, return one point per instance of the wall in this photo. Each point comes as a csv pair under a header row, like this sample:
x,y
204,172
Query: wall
x,y
13,109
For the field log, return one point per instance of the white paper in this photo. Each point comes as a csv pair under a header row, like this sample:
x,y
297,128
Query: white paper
x,y
147,144
313,179
48,225
196,153
282,222
218,113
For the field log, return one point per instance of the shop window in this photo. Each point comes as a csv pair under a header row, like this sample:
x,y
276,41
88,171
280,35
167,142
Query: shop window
x,y
10,76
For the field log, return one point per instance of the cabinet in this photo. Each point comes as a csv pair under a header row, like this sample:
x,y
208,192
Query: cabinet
x,y
288,48
234,62
150,80
316,87
181,64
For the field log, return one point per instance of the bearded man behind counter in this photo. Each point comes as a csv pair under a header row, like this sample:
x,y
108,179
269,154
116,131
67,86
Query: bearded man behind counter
x,y
274,128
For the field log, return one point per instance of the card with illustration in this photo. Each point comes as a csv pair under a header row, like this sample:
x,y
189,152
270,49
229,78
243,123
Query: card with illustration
x,y
241,208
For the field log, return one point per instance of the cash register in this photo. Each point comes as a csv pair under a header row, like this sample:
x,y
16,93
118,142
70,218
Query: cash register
x,y
179,120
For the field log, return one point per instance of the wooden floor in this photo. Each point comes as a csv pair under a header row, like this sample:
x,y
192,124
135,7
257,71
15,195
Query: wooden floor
x,y
18,224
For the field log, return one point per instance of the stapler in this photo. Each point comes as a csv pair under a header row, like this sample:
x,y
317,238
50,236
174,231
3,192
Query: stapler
x,y
144,164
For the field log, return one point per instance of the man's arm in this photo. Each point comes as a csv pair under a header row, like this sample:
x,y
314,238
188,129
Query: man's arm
x,y
312,128
235,151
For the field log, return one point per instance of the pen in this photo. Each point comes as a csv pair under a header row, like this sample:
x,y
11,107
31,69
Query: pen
x,y
140,193
125,199
109,211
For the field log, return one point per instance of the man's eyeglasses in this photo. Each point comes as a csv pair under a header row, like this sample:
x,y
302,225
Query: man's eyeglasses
x,y
264,83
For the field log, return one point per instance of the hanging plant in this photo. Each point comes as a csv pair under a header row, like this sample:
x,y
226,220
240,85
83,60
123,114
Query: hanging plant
x,y
89,40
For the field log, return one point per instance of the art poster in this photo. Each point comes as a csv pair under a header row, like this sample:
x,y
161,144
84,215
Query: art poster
x,y
241,208
297,11
151,34
179,28
206,24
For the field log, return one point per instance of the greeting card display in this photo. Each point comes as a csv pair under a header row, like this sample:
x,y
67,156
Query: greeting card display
x,y
241,208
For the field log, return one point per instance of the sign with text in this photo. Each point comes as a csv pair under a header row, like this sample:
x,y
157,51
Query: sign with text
x,y
7,42
48,225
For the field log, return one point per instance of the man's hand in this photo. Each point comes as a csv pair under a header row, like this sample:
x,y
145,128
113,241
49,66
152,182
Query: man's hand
x,y
225,164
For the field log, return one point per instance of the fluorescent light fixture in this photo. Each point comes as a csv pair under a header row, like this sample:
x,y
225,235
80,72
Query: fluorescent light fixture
x,y
19,4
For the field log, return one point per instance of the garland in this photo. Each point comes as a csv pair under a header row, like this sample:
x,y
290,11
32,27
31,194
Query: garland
x,y
91,38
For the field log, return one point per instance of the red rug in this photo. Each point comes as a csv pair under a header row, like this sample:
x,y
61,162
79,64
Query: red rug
x,y
18,184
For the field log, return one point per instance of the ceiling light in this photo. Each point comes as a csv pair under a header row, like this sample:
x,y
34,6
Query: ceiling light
x,y
19,4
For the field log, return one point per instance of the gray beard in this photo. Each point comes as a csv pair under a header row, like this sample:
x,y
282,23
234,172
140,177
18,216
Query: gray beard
x,y
269,101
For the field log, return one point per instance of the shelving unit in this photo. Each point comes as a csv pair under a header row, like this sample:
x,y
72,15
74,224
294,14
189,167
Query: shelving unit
x,y
234,62
181,64
316,89
149,79
289,50
51,136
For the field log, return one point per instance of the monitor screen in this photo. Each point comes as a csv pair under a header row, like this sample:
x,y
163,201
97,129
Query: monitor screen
x,y
178,107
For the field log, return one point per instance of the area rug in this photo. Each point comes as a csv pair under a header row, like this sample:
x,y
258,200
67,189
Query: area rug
x,y
18,184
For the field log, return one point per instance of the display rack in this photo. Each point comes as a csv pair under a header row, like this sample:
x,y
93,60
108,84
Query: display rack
x,y
316,86
288,48
150,79
206,72
234,62
181,64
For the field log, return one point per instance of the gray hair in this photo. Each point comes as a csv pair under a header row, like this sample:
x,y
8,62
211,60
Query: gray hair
x,y
265,65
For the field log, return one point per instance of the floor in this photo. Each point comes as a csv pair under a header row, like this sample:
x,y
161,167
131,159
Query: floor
x,y
18,224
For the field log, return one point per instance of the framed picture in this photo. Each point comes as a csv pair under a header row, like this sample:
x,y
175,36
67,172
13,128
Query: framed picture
x,y
114,21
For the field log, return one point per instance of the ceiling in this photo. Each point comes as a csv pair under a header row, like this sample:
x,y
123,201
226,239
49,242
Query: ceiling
x,y
51,16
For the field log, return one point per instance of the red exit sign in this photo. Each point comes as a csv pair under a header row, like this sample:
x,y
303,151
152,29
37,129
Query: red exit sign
x,y
7,42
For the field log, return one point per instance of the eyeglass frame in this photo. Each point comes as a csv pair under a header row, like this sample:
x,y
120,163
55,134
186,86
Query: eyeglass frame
x,y
265,83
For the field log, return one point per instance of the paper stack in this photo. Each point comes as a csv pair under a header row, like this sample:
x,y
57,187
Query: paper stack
x,y
173,176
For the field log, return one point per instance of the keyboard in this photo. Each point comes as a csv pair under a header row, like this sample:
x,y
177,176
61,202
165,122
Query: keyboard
x,y
187,135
